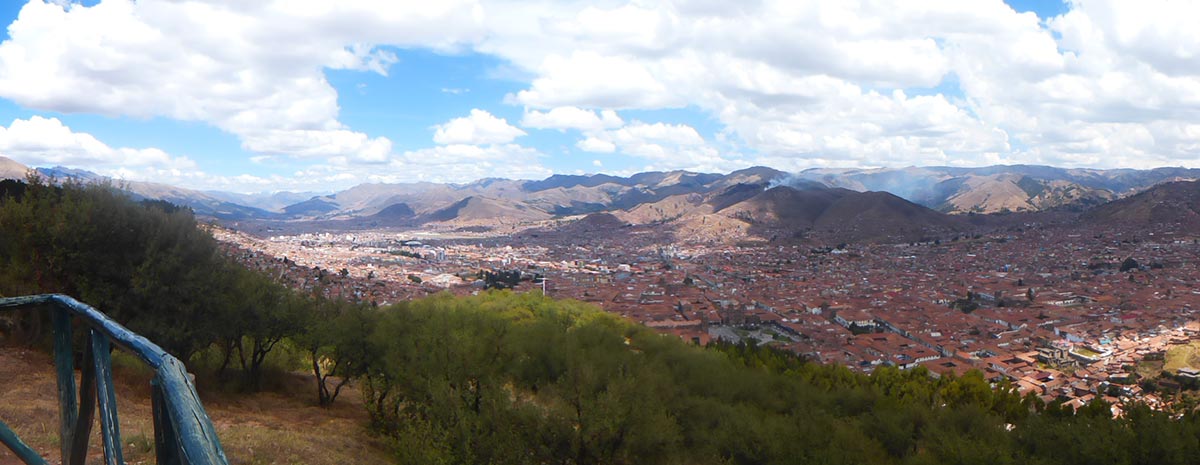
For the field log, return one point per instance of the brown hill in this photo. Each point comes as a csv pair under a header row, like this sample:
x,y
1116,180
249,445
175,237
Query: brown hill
x,y
600,224
753,175
784,212
668,209
313,207
10,169
473,210
735,194
574,200
1169,203
1069,195
881,215
394,211
987,194
370,198
785,206
998,193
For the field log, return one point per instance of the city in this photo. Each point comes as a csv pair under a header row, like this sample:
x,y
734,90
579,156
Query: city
x,y
1055,311
652,232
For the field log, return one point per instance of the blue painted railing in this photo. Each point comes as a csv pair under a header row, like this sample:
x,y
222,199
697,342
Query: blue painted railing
x,y
183,433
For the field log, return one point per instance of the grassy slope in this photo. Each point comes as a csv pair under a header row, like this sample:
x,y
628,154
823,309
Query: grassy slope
x,y
266,428
1187,355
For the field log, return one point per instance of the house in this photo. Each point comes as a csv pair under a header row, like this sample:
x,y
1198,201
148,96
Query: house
x,y
1054,356
860,318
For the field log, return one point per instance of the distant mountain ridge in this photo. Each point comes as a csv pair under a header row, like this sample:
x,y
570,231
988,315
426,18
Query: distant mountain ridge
x,y
754,201
1000,188
200,202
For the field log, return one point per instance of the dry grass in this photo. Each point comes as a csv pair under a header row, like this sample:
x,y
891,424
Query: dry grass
x,y
1150,369
283,427
1180,356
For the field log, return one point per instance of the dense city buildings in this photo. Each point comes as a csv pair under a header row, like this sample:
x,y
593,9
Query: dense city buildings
x,y
1065,314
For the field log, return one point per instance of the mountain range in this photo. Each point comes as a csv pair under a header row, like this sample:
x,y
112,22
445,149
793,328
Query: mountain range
x,y
755,202
995,189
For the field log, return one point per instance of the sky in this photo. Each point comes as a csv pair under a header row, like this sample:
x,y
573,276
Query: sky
x,y
313,95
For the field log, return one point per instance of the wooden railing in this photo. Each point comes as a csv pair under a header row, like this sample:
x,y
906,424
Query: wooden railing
x,y
183,433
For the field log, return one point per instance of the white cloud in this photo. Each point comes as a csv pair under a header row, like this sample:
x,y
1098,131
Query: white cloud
x,y
872,130
464,163
40,141
457,163
479,127
563,118
789,83
319,143
590,79
667,146
804,84
1104,85
596,145
253,69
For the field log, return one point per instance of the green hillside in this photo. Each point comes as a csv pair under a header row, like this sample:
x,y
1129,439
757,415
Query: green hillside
x,y
506,378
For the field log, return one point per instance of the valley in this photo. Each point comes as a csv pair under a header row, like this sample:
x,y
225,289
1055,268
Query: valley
x,y
1032,292
998,294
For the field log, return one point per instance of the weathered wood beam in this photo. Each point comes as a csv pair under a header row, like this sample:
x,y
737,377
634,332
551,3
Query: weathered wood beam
x,y
166,442
110,428
122,337
23,451
183,431
194,430
64,364
82,431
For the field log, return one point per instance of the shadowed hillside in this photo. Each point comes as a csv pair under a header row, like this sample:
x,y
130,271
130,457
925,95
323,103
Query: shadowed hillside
x,y
478,209
1169,203
848,214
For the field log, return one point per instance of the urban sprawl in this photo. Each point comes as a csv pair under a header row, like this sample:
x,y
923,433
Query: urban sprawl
x,y
1066,315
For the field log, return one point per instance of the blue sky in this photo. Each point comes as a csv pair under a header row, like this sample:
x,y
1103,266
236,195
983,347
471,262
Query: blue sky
x,y
262,97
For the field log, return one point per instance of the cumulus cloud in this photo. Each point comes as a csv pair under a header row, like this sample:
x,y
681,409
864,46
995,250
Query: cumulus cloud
x,y
596,145
253,69
319,143
793,84
464,163
40,141
563,118
479,127
665,146
591,79
804,84
1104,84
799,83
452,163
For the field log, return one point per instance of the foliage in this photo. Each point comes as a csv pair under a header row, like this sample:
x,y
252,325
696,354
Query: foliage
x,y
518,378
504,378
337,350
502,279
147,264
